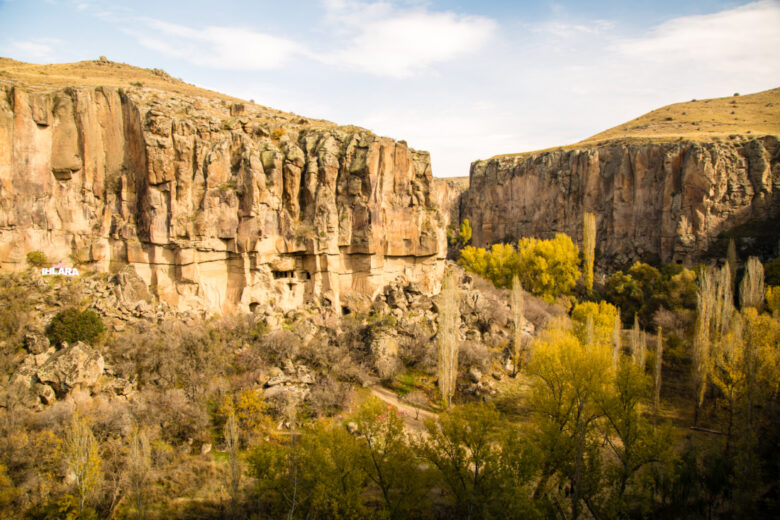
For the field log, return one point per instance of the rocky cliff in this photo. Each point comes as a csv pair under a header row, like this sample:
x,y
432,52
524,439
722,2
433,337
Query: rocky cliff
x,y
214,204
665,199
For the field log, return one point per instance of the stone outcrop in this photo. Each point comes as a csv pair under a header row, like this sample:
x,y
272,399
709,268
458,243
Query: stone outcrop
x,y
211,205
669,199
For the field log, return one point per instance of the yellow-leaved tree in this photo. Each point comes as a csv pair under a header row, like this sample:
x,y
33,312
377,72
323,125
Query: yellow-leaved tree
x,y
548,268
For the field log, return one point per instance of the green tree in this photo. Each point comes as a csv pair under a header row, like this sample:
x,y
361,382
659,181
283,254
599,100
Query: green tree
x,y
463,446
388,460
72,325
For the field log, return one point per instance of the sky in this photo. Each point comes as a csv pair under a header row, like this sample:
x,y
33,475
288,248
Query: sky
x,y
465,80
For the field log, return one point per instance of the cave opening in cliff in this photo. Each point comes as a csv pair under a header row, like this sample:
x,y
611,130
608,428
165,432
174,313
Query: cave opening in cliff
x,y
253,307
282,274
345,311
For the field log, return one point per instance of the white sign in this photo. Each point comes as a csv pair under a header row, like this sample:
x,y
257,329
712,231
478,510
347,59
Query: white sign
x,y
60,270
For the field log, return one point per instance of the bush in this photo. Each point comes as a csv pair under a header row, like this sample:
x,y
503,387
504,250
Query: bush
x,y
72,325
37,259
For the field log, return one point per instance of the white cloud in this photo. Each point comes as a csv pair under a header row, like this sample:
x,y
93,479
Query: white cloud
x,y
217,47
38,49
735,38
385,40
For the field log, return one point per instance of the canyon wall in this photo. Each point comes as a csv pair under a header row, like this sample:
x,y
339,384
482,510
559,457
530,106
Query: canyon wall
x,y
214,205
669,199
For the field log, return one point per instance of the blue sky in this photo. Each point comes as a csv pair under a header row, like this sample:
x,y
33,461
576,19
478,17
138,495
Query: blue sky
x,y
465,79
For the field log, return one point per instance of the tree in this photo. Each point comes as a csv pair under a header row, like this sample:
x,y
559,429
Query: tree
x,y
638,344
601,314
659,355
463,447
588,248
449,320
731,260
82,458
474,259
518,320
548,268
388,460
139,463
72,325
465,232
751,290
567,378
502,265
617,339
231,446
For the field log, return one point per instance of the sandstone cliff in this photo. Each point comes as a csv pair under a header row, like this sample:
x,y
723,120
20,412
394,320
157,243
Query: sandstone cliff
x,y
665,185
216,204
669,199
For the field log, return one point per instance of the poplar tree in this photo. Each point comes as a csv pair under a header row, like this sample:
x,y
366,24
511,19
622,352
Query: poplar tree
x,y
518,319
448,337
589,248
659,355
751,290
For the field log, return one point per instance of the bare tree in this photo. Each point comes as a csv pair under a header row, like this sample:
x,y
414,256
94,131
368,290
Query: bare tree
x,y
751,290
731,260
701,355
659,356
82,458
616,339
232,446
589,248
448,337
518,319
140,465
638,344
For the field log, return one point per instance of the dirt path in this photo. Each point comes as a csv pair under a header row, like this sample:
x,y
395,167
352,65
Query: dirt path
x,y
413,417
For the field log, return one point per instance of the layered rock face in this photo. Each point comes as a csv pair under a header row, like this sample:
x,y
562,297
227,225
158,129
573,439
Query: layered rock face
x,y
214,205
667,199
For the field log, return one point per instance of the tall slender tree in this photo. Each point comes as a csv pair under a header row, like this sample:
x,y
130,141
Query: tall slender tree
x,y
82,458
751,290
659,357
589,248
139,465
617,333
731,260
232,445
518,321
449,318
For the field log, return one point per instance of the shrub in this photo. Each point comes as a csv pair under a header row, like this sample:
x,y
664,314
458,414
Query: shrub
x,y
72,325
37,259
278,133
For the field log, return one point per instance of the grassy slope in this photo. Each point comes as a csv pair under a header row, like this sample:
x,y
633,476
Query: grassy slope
x,y
113,74
698,120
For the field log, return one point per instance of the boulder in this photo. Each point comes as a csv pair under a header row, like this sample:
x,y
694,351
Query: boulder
x,y
75,366
475,374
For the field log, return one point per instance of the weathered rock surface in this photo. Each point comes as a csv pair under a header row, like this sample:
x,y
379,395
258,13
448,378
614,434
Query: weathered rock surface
x,y
76,366
212,205
668,199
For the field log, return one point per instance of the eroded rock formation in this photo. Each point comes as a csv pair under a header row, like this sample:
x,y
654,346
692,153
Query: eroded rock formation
x,y
667,199
212,204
